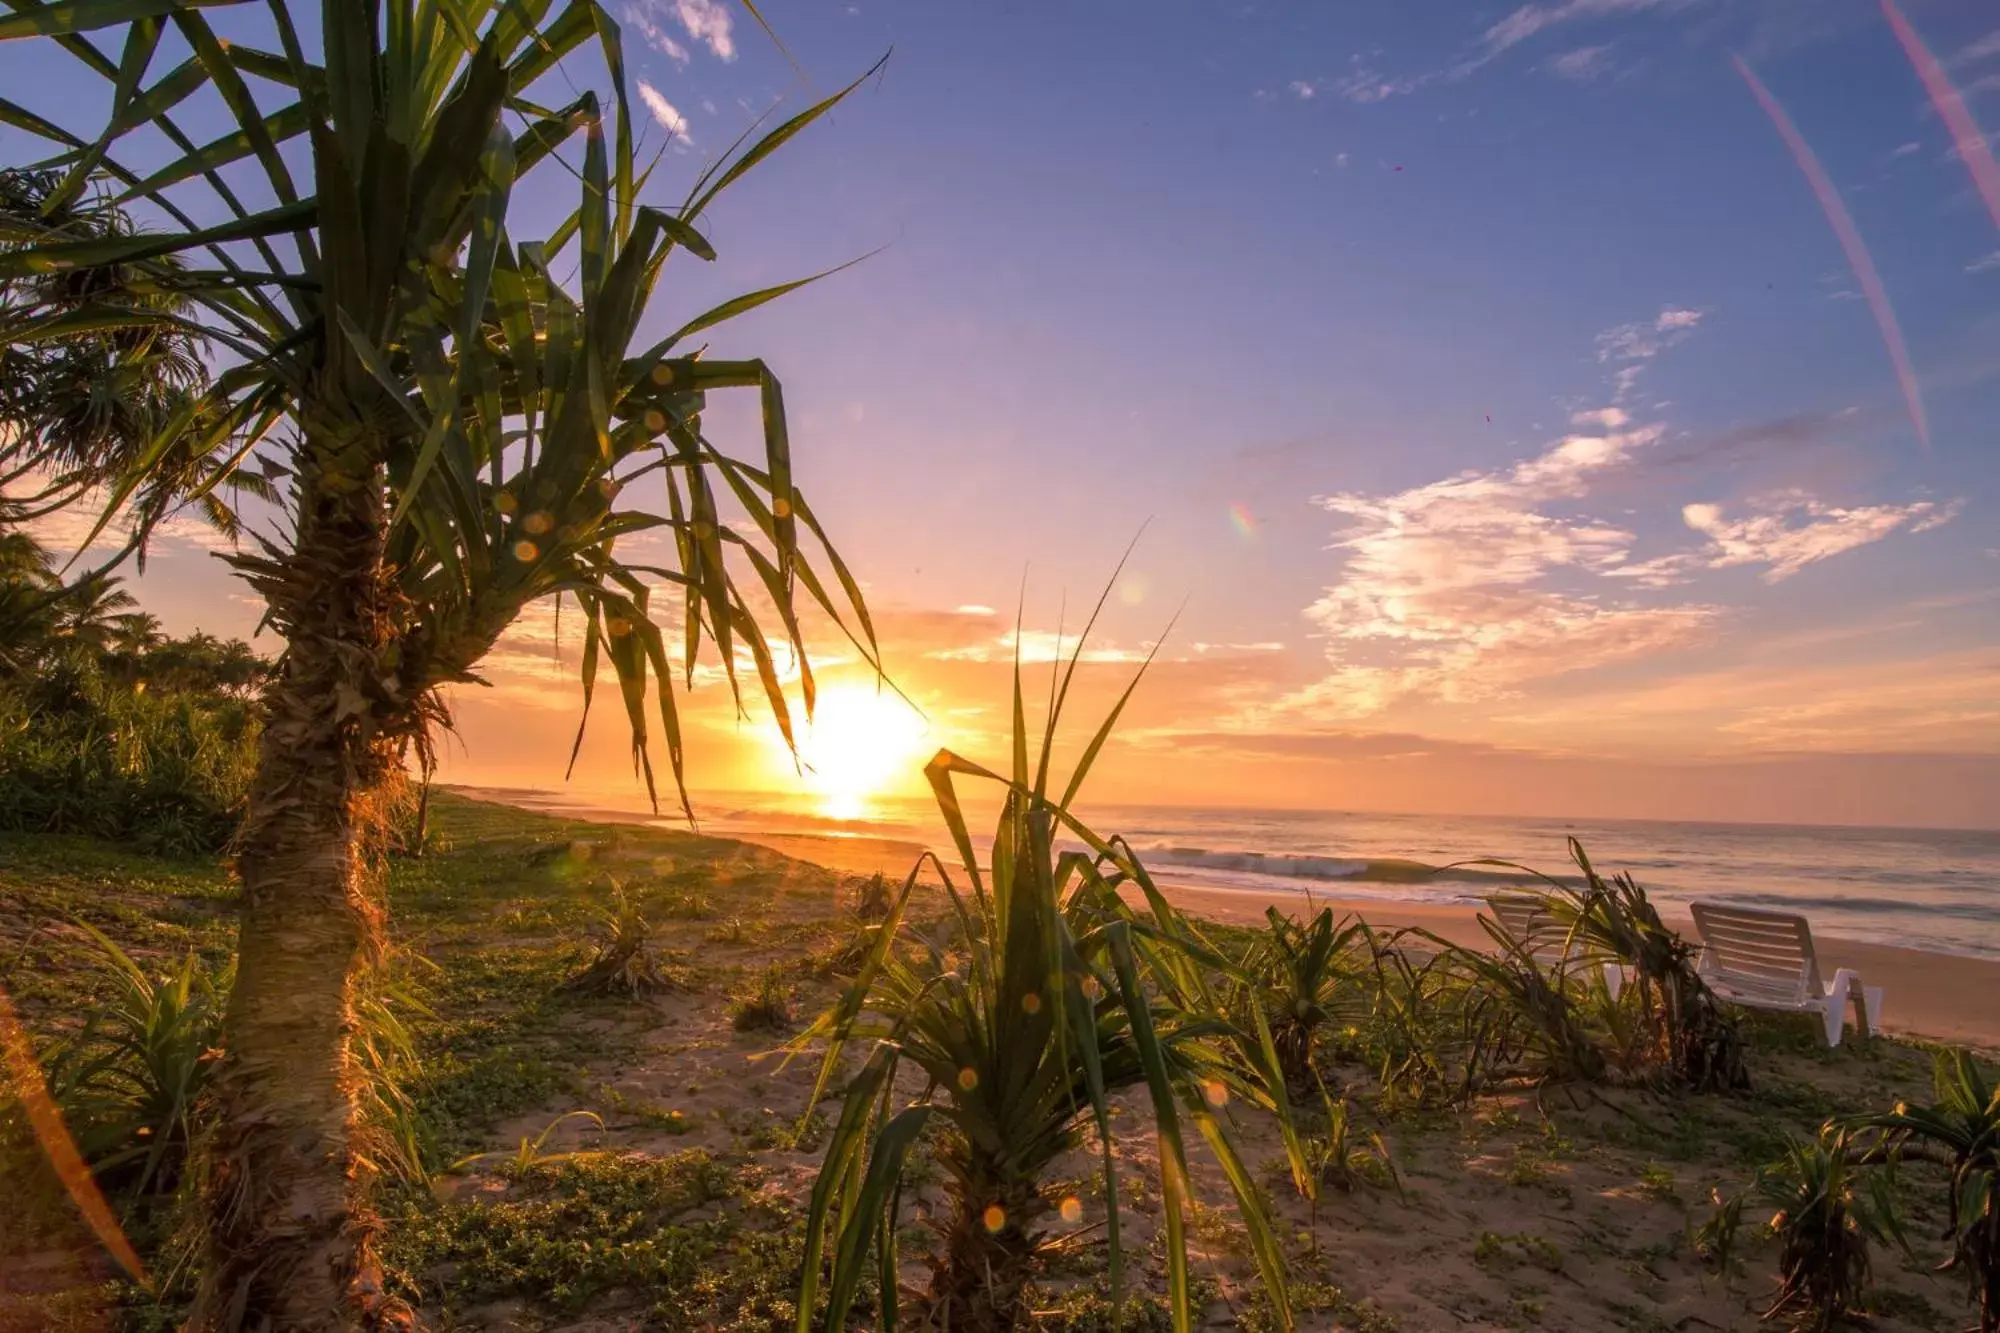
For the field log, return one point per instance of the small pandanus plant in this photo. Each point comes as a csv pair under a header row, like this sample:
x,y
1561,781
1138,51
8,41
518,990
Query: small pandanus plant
x,y
1960,1131
1053,996
1300,970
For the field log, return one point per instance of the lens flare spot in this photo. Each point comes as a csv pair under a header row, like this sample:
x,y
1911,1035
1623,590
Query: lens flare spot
x,y
656,420
1243,521
1031,1003
663,374
1090,988
538,522
1071,1209
1214,1092
968,1079
525,552
505,502
995,1217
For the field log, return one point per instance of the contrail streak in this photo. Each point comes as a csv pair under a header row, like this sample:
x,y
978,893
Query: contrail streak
x,y
1858,259
1965,131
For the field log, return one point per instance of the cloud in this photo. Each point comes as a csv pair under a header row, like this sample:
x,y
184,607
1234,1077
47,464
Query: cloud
x,y
1451,591
1985,263
708,22
1304,90
1583,64
1531,19
1790,532
1798,430
1907,149
656,37
670,118
1983,48
1342,159
1640,341
1365,84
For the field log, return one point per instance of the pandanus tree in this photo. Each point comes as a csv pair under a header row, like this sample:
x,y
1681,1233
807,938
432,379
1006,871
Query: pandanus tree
x,y
458,432
1052,996
93,360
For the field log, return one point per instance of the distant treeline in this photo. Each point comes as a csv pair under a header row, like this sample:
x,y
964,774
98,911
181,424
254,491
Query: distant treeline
x,y
110,727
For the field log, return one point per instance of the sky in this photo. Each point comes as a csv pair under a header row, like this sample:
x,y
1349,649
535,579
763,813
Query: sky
x,y
1583,407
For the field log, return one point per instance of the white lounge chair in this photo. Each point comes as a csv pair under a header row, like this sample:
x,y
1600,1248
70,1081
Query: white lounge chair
x,y
1527,918
1765,960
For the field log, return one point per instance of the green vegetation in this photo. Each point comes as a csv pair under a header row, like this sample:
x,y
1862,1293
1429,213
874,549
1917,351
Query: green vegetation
x,y
444,412
108,727
1826,1217
1051,996
1960,1132
643,1162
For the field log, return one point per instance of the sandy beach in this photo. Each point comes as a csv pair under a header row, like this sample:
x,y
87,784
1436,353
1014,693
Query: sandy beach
x,y
1935,996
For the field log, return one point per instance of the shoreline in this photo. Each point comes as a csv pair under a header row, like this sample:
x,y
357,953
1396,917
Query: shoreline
x,y
1933,996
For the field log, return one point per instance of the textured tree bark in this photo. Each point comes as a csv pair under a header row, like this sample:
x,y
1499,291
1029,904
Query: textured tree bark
x,y
980,1284
290,1229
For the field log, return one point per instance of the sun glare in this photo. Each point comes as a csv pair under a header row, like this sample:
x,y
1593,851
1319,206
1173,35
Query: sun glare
x,y
862,742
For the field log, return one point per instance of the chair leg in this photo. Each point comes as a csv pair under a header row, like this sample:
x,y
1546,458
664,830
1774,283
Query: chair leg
x,y
1871,1000
1833,1012
1845,990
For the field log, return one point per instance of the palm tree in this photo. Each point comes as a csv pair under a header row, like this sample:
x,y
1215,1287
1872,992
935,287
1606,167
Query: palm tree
x,y
82,397
90,609
459,433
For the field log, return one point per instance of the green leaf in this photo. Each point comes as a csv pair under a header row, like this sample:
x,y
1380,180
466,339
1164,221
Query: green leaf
x,y
76,16
65,255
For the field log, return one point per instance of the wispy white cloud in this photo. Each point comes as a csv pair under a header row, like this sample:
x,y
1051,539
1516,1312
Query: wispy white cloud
x,y
1907,149
1977,50
1304,89
1366,84
1985,263
1788,533
1630,346
655,36
1450,590
665,112
708,22
1642,340
1583,64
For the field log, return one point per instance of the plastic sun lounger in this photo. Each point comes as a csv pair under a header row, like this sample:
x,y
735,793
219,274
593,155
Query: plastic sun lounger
x,y
1528,919
1765,960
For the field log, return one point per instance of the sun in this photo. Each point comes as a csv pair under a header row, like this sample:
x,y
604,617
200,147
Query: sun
x,y
861,742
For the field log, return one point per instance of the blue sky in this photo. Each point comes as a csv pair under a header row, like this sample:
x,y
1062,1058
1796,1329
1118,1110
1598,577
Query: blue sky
x,y
1487,376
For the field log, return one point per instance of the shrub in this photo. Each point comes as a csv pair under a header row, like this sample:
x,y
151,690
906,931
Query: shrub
x,y
1299,972
130,1083
167,772
767,1008
624,964
1827,1214
1054,995
1960,1131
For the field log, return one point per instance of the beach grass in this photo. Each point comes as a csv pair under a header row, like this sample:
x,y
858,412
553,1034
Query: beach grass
x,y
648,1160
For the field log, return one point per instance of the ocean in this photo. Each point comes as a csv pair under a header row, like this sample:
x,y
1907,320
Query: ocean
x,y
1936,889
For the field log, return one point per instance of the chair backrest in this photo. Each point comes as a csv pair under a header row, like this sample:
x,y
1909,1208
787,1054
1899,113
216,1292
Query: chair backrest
x,y
1768,954
1526,917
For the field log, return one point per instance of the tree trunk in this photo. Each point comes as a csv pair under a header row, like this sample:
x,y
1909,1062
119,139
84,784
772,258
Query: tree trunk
x,y
980,1284
290,1229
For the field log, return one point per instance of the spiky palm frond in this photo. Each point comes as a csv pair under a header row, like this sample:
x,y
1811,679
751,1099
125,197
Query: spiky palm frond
x,y
1052,995
1962,1126
380,322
